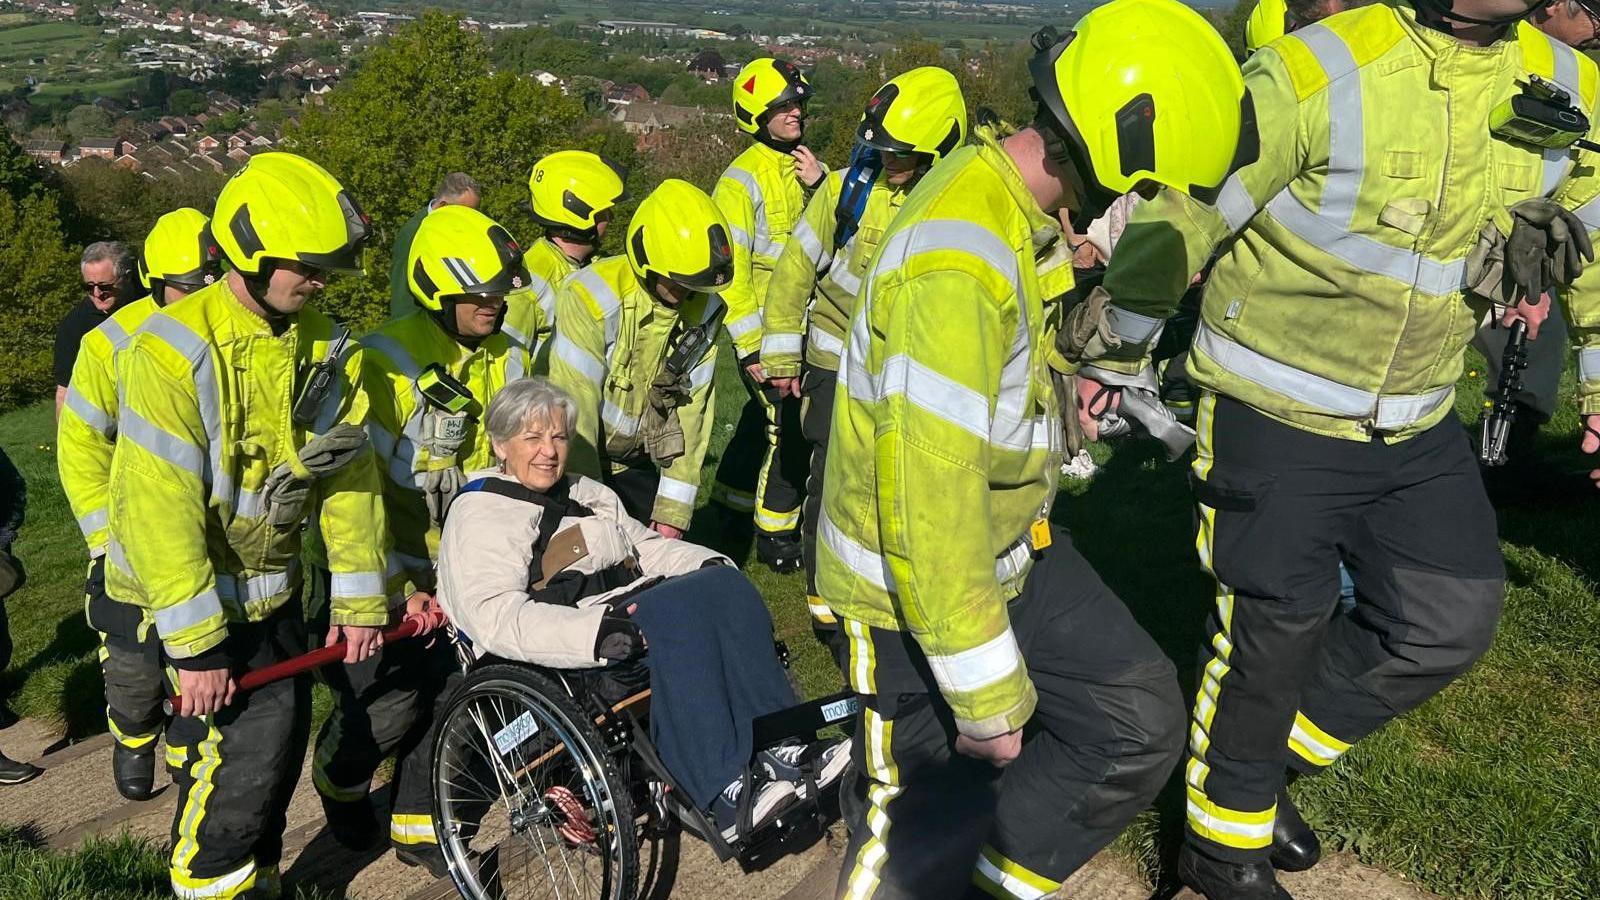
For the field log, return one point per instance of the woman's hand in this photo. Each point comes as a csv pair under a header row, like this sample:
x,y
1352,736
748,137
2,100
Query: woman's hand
x,y
360,641
667,531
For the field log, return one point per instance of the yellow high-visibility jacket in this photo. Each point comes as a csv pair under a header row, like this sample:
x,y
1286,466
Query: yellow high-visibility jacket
x,y
611,343
813,289
393,357
1337,303
531,312
762,198
946,443
207,390
87,432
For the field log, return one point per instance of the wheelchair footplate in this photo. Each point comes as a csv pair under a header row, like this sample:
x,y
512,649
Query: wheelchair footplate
x,y
800,821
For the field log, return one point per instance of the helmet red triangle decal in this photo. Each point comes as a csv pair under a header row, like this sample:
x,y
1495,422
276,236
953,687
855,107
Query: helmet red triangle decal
x,y
750,85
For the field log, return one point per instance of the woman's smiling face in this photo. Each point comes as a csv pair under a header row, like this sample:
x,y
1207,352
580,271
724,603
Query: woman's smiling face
x,y
536,456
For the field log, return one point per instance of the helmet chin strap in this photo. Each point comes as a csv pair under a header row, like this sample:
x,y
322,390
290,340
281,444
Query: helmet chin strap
x,y
257,285
764,135
445,317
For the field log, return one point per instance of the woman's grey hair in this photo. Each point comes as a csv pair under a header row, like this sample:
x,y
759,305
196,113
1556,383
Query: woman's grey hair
x,y
120,254
527,400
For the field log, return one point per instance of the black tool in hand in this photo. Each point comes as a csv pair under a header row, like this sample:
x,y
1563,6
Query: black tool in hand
x,y
1503,409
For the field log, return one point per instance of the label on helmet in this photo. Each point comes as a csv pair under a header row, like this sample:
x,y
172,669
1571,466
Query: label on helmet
x,y
512,736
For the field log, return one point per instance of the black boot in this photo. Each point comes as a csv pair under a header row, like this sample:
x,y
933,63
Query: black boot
x,y
134,771
426,856
14,772
1295,847
352,823
780,554
1218,880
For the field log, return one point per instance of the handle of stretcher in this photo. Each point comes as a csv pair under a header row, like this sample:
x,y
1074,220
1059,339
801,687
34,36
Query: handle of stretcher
x,y
316,659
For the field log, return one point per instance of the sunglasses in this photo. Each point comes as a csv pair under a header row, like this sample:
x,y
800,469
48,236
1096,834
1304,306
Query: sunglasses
x,y
100,287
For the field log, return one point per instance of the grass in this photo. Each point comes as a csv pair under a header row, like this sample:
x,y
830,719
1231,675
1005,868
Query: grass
x,y
1487,791
23,42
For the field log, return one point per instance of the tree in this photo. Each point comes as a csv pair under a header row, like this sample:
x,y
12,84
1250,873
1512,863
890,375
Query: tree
x,y
88,120
269,114
40,273
186,102
423,104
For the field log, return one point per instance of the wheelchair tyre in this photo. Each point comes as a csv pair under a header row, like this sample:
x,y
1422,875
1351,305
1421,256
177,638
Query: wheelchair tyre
x,y
527,799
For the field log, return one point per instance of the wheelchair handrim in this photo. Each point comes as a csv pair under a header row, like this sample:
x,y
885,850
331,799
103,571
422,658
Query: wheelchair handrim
x,y
474,723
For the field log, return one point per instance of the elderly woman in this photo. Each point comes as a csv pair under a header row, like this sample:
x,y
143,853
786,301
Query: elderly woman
x,y
546,569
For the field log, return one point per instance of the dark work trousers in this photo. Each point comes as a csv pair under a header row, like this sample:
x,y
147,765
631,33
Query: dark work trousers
x,y
759,472
1286,682
236,770
130,661
927,823
383,706
635,486
817,387
712,673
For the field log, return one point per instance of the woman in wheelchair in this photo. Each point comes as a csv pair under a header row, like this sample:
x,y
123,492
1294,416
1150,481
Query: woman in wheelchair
x,y
541,568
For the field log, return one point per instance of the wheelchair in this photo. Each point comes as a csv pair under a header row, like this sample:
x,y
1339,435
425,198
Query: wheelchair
x,y
546,784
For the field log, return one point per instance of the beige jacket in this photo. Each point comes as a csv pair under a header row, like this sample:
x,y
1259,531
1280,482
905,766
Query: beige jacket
x,y
484,553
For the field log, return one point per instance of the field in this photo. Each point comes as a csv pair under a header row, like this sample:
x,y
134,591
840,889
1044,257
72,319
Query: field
x,y
72,61
1485,792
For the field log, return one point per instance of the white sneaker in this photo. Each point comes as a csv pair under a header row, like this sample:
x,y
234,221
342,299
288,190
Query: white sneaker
x,y
785,763
769,797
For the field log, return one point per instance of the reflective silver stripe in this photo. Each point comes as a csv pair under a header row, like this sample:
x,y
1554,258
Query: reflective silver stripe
x,y
398,355
189,613
357,584
824,341
1236,204
221,886
743,325
259,587
928,390
182,339
759,242
977,667
1589,364
400,450
677,491
1389,411
602,294
1564,72
117,555
1133,327
249,504
1366,254
742,238
620,423
578,358
114,332
1557,163
1400,410
1346,151
810,243
702,374
173,449
843,278
104,423
519,342
779,342
869,565
1589,214
89,523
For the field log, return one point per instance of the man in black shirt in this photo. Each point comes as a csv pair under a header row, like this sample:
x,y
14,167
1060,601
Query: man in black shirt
x,y
109,281
13,503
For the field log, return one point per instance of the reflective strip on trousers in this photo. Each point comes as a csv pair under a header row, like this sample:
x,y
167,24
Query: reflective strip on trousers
x,y
233,884
104,423
1389,412
1012,878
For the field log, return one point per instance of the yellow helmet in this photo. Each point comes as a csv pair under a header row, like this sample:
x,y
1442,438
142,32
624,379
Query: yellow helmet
x,y
678,234
763,85
1142,90
920,111
285,207
569,189
458,250
1268,21
179,250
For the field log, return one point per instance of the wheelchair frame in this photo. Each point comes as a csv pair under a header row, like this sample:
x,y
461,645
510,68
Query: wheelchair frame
x,y
622,728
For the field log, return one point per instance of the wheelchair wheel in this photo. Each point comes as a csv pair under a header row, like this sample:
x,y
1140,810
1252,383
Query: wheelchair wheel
x,y
527,799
